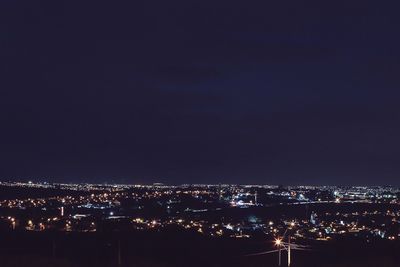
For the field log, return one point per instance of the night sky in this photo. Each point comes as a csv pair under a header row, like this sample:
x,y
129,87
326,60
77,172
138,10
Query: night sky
x,y
272,92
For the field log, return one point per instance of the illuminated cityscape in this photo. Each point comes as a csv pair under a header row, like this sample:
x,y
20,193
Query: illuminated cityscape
x,y
310,216
237,211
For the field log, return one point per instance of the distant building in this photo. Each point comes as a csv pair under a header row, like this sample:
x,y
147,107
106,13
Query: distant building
x,y
313,218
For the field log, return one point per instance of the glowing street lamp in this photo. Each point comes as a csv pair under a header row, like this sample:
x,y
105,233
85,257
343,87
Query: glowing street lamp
x,y
278,243
281,244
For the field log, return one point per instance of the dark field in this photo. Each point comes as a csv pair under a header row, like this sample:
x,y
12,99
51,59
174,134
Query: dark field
x,y
169,248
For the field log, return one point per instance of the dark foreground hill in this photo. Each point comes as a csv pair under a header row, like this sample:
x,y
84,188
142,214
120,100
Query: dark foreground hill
x,y
170,248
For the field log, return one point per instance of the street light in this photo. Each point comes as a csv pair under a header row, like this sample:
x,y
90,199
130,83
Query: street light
x,y
281,244
278,243
286,246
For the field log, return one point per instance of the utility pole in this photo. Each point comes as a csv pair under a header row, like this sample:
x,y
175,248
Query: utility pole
x,y
289,259
279,260
278,243
119,253
281,245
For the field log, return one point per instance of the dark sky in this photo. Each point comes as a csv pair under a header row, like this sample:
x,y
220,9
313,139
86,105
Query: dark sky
x,y
275,92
